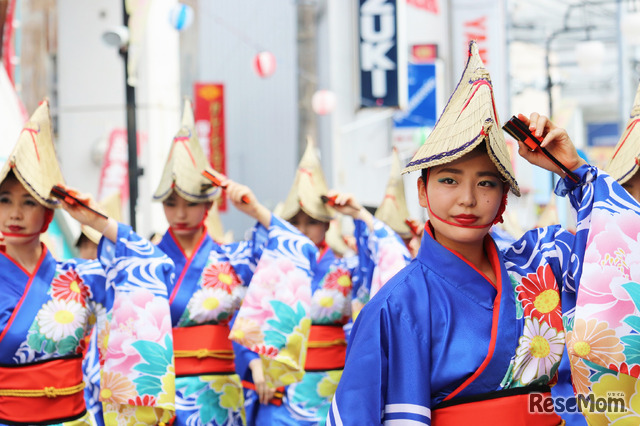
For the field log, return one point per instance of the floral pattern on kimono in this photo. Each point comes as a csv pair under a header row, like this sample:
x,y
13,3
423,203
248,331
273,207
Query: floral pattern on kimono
x,y
124,295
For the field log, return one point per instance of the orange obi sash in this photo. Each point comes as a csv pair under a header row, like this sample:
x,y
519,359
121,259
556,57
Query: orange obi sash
x,y
203,349
327,348
527,406
36,392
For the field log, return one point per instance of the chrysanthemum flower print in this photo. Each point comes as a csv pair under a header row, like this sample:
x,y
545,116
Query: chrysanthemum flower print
x,y
593,341
579,375
539,351
69,286
328,305
59,318
220,275
540,298
246,332
115,387
340,279
207,304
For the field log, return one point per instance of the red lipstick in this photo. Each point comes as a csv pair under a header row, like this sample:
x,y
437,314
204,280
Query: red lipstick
x,y
466,219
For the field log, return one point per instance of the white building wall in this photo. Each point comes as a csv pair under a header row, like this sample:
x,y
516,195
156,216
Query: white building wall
x,y
361,139
92,97
260,113
90,87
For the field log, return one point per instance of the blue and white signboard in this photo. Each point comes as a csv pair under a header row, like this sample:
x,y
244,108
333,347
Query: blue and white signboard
x,y
422,106
603,134
382,54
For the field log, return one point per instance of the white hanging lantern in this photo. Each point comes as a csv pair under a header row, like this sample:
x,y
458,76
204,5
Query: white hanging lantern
x,y
264,64
323,102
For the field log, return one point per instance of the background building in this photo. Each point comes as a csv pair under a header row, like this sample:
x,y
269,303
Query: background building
x,y
259,120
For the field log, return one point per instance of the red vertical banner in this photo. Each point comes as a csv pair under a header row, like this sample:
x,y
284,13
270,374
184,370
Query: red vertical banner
x,y
209,120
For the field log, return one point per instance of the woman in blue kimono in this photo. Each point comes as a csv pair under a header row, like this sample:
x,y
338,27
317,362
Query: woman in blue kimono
x,y
48,308
469,334
339,289
210,281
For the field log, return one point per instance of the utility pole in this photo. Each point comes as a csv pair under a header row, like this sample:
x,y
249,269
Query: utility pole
x,y
132,140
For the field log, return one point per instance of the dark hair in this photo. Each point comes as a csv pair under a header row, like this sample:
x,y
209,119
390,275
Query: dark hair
x,y
10,175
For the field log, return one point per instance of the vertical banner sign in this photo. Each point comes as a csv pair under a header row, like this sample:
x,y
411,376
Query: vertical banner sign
x,y
382,54
428,5
114,174
484,22
422,106
209,117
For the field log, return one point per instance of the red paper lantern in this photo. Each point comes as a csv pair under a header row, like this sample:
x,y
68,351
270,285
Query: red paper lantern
x,y
323,102
264,64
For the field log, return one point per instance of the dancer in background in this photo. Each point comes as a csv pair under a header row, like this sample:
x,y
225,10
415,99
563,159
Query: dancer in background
x,y
48,308
339,289
393,209
210,280
466,333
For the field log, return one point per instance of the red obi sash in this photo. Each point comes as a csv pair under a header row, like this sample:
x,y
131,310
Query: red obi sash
x,y
327,348
203,349
277,395
35,393
527,406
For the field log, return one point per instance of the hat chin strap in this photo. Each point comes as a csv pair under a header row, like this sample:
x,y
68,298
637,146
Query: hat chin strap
x,y
48,217
432,214
15,234
193,228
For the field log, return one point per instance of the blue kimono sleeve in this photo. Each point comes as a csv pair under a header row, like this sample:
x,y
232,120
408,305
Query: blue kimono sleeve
x,y
244,255
562,250
381,254
138,339
387,371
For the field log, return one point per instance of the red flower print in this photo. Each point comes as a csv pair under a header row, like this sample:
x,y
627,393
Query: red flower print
x,y
624,369
145,401
339,280
69,286
540,297
220,275
266,350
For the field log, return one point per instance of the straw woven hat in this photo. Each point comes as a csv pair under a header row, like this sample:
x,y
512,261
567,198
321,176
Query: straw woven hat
x,y
33,159
626,158
112,207
468,119
393,210
185,163
188,119
308,185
